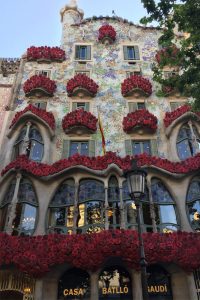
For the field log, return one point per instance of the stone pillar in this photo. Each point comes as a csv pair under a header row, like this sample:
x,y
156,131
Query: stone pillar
x,y
136,285
50,289
26,139
152,209
76,209
122,209
106,209
94,286
38,290
191,287
13,205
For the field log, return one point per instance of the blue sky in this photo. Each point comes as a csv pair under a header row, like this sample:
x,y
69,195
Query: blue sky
x,y
24,23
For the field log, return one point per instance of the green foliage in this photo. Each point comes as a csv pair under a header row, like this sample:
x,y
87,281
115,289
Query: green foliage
x,y
182,15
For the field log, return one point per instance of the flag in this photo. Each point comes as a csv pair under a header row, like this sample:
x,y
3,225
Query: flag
x,y
102,135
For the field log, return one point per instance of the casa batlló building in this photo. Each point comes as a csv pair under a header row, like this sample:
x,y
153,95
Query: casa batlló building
x,y
68,224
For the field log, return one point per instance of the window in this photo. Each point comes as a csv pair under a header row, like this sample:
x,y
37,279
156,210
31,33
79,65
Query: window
x,y
35,145
131,53
41,105
61,209
26,209
46,73
131,73
164,207
82,52
81,105
71,147
170,74
83,72
175,105
133,147
188,142
193,204
133,106
114,217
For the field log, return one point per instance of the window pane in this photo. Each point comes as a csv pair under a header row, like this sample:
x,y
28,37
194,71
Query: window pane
x,y
159,193
131,52
65,194
136,148
73,148
193,191
83,52
167,214
194,214
57,217
36,152
93,212
131,212
184,150
3,217
146,147
91,190
84,149
26,192
141,105
28,221
35,134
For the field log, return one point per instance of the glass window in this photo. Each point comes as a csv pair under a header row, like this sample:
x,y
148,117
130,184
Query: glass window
x,y
81,105
114,215
46,73
140,147
188,143
83,52
193,204
79,147
131,53
164,205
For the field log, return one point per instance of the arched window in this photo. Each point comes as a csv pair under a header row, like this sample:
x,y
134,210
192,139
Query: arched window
x,y
91,199
61,208
114,203
193,204
115,283
26,209
164,206
35,145
74,284
188,142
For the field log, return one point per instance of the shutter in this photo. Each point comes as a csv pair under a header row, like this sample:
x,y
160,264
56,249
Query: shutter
x,y
77,52
132,106
92,148
125,52
87,106
154,148
128,147
74,106
88,53
137,54
66,146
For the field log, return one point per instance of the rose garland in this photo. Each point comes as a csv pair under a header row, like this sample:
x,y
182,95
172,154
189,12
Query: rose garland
x,y
80,117
107,31
83,81
36,255
136,82
48,117
140,118
44,52
101,163
171,116
39,81
168,56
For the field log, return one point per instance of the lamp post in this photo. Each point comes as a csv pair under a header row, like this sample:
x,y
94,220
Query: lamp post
x,y
136,185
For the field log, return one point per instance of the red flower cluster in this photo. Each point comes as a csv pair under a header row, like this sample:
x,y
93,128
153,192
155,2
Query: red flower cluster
x,y
102,162
171,116
136,82
44,52
83,81
36,255
80,117
139,118
167,55
167,89
48,117
39,81
107,31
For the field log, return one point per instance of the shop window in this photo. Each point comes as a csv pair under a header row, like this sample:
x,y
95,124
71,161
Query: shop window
x,y
135,147
46,73
61,209
34,147
188,142
164,207
71,147
193,204
74,284
91,198
131,53
159,283
115,283
81,105
133,106
114,217
26,209
82,52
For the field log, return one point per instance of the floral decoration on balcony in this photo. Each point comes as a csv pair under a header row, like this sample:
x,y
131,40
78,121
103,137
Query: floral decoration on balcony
x,y
39,85
136,83
141,118
38,254
107,32
79,118
22,162
81,82
45,54
168,56
171,116
48,117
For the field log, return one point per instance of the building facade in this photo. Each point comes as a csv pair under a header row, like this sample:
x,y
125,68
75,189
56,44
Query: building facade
x,y
72,118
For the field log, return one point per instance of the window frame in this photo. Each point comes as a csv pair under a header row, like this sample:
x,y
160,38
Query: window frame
x,y
137,53
42,71
77,54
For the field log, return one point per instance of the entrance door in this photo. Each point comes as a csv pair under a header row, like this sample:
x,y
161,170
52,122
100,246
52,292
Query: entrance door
x,y
11,295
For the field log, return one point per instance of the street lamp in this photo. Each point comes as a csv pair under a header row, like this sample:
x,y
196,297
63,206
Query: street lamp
x,y
136,184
